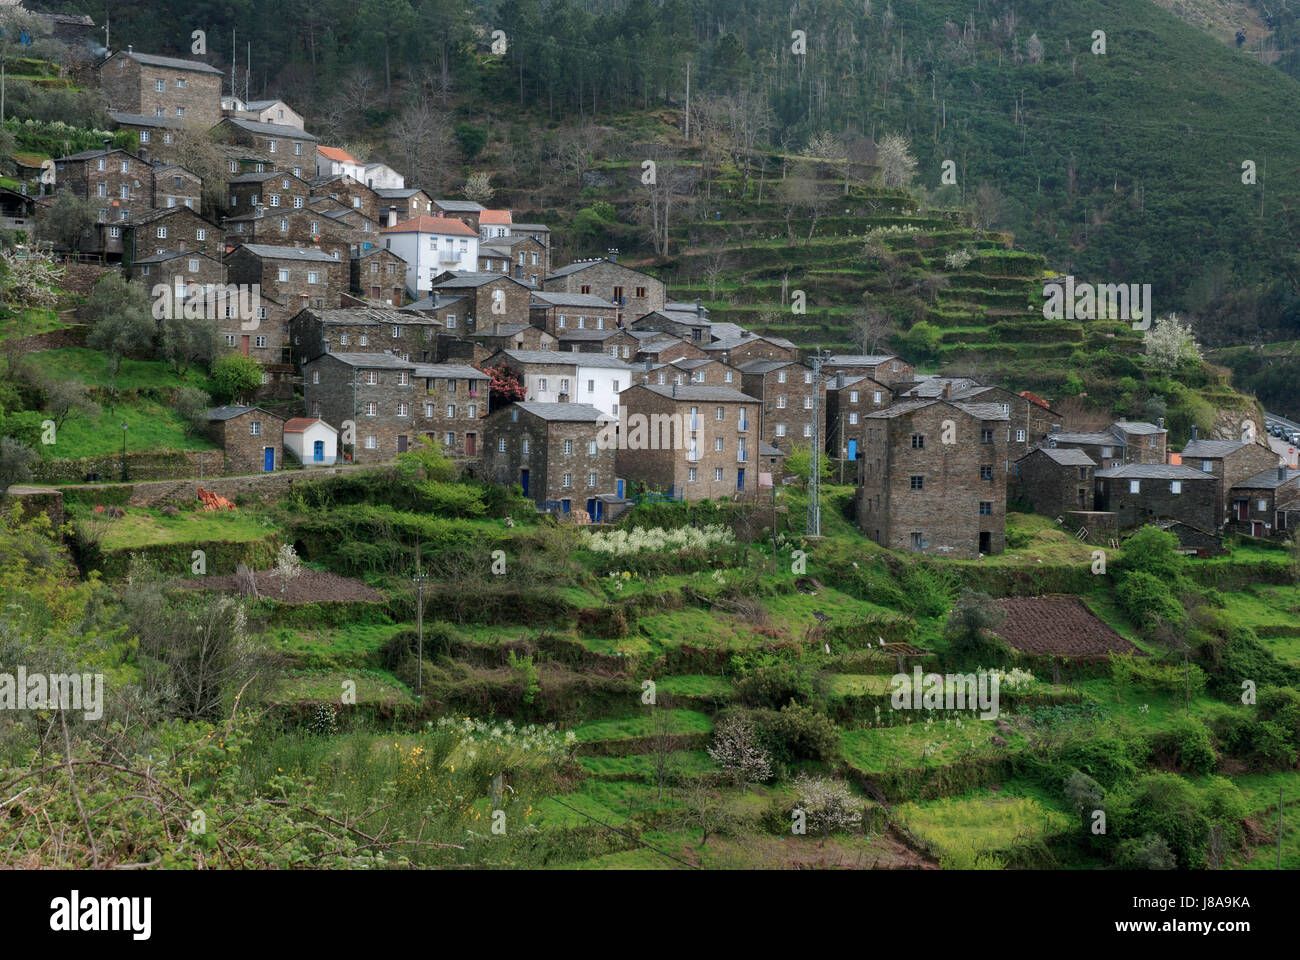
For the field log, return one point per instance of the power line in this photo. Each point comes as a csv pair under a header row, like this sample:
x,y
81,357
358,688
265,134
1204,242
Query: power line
x,y
629,836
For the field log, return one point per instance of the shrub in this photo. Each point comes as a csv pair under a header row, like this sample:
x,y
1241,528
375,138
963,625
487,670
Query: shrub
x,y
828,805
439,637
1146,599
1084,794
972,617
803,733
773,685
925,592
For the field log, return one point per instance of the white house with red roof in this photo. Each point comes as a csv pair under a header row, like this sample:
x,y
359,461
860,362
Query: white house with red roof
x,y
430,246
332,161
312,441
493,224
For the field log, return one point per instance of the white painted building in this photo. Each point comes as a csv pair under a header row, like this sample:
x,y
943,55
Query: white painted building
x,y
333,161
311,440
430,246
380,176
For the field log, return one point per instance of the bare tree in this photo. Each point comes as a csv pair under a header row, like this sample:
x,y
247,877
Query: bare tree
x,y
421,138
713,270
869,328
669,190
987,206
802,194
573,150
358,92
662,745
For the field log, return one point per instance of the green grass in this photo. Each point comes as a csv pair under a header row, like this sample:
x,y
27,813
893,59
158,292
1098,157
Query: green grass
x,y
695,685
641,766
372,686
352,644
151,426
143,527
983,821
879,749
31,321
91,367
683,721
858,684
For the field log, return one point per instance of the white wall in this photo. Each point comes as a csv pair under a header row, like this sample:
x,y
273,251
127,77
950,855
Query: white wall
x,y
301,445
607,381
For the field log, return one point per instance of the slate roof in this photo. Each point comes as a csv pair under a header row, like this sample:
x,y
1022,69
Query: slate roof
x,y
470,280
172,63
269,129
1212,449
1139,427
382,360
561,299
172,255
143,120
288,253
1105,438
1153,471
580,412
229,412
699,391
1068,457
859,360
449,371
458,206
1269,480
434,302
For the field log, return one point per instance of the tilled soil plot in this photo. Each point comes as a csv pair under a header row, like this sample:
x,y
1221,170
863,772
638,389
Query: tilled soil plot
x,y
1060,626
308,586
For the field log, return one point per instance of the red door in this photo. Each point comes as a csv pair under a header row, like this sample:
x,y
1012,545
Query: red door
x,y
470,444
1243,509
243,344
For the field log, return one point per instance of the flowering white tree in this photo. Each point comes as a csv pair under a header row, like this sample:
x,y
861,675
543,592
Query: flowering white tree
x,y
31,281
895,161
287,566
1034,49
1170,344
736,749
828,805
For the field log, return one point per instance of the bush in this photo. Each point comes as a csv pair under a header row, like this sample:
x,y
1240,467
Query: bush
x,y
803,733
1187,747
1146,600
439,638
773,685
1171,678
925,592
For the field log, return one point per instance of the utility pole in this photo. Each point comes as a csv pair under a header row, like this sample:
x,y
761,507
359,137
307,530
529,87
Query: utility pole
x,y
1279,828
688,99
418,580
813,526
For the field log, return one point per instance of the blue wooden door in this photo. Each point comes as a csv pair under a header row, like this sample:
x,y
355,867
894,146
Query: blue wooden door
x,y
268,459
523,481
620,489
740,479
853,449
318,451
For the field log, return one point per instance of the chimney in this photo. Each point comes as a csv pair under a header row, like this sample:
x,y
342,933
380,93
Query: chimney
x,y
613,255
108,143
392,216
947,389
129,49
1194,431
1160,422
699,307
1056,428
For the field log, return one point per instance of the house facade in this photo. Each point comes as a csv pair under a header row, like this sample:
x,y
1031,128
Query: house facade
x,y
373,393
552,451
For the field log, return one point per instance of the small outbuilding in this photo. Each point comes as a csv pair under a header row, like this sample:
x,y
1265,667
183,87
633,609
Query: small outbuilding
x,y
312,441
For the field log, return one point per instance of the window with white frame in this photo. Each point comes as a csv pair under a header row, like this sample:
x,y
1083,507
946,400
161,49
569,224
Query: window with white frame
x,y
372,408
372,441
1135,486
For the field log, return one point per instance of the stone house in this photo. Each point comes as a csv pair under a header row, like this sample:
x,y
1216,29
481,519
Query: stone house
x,y
553,377
274,190
662,348
375,393
695,442
156,133
492,298
351,193
884,368
1141,493
1030,423
378,276
553,451
514,336
151,232
784,390
452,412
268,111
466,211
633,292
292,275
522,257
1053,482
402,203
1267,504
174,186
289,148
178,269
304,227
738,351
932,478
164,87
447,309
700,371
410,336
848,400
1230,463
250,438
692,326
562,314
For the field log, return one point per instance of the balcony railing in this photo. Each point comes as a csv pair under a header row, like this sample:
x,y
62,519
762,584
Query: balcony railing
x,y
743,425
692,456
742,456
